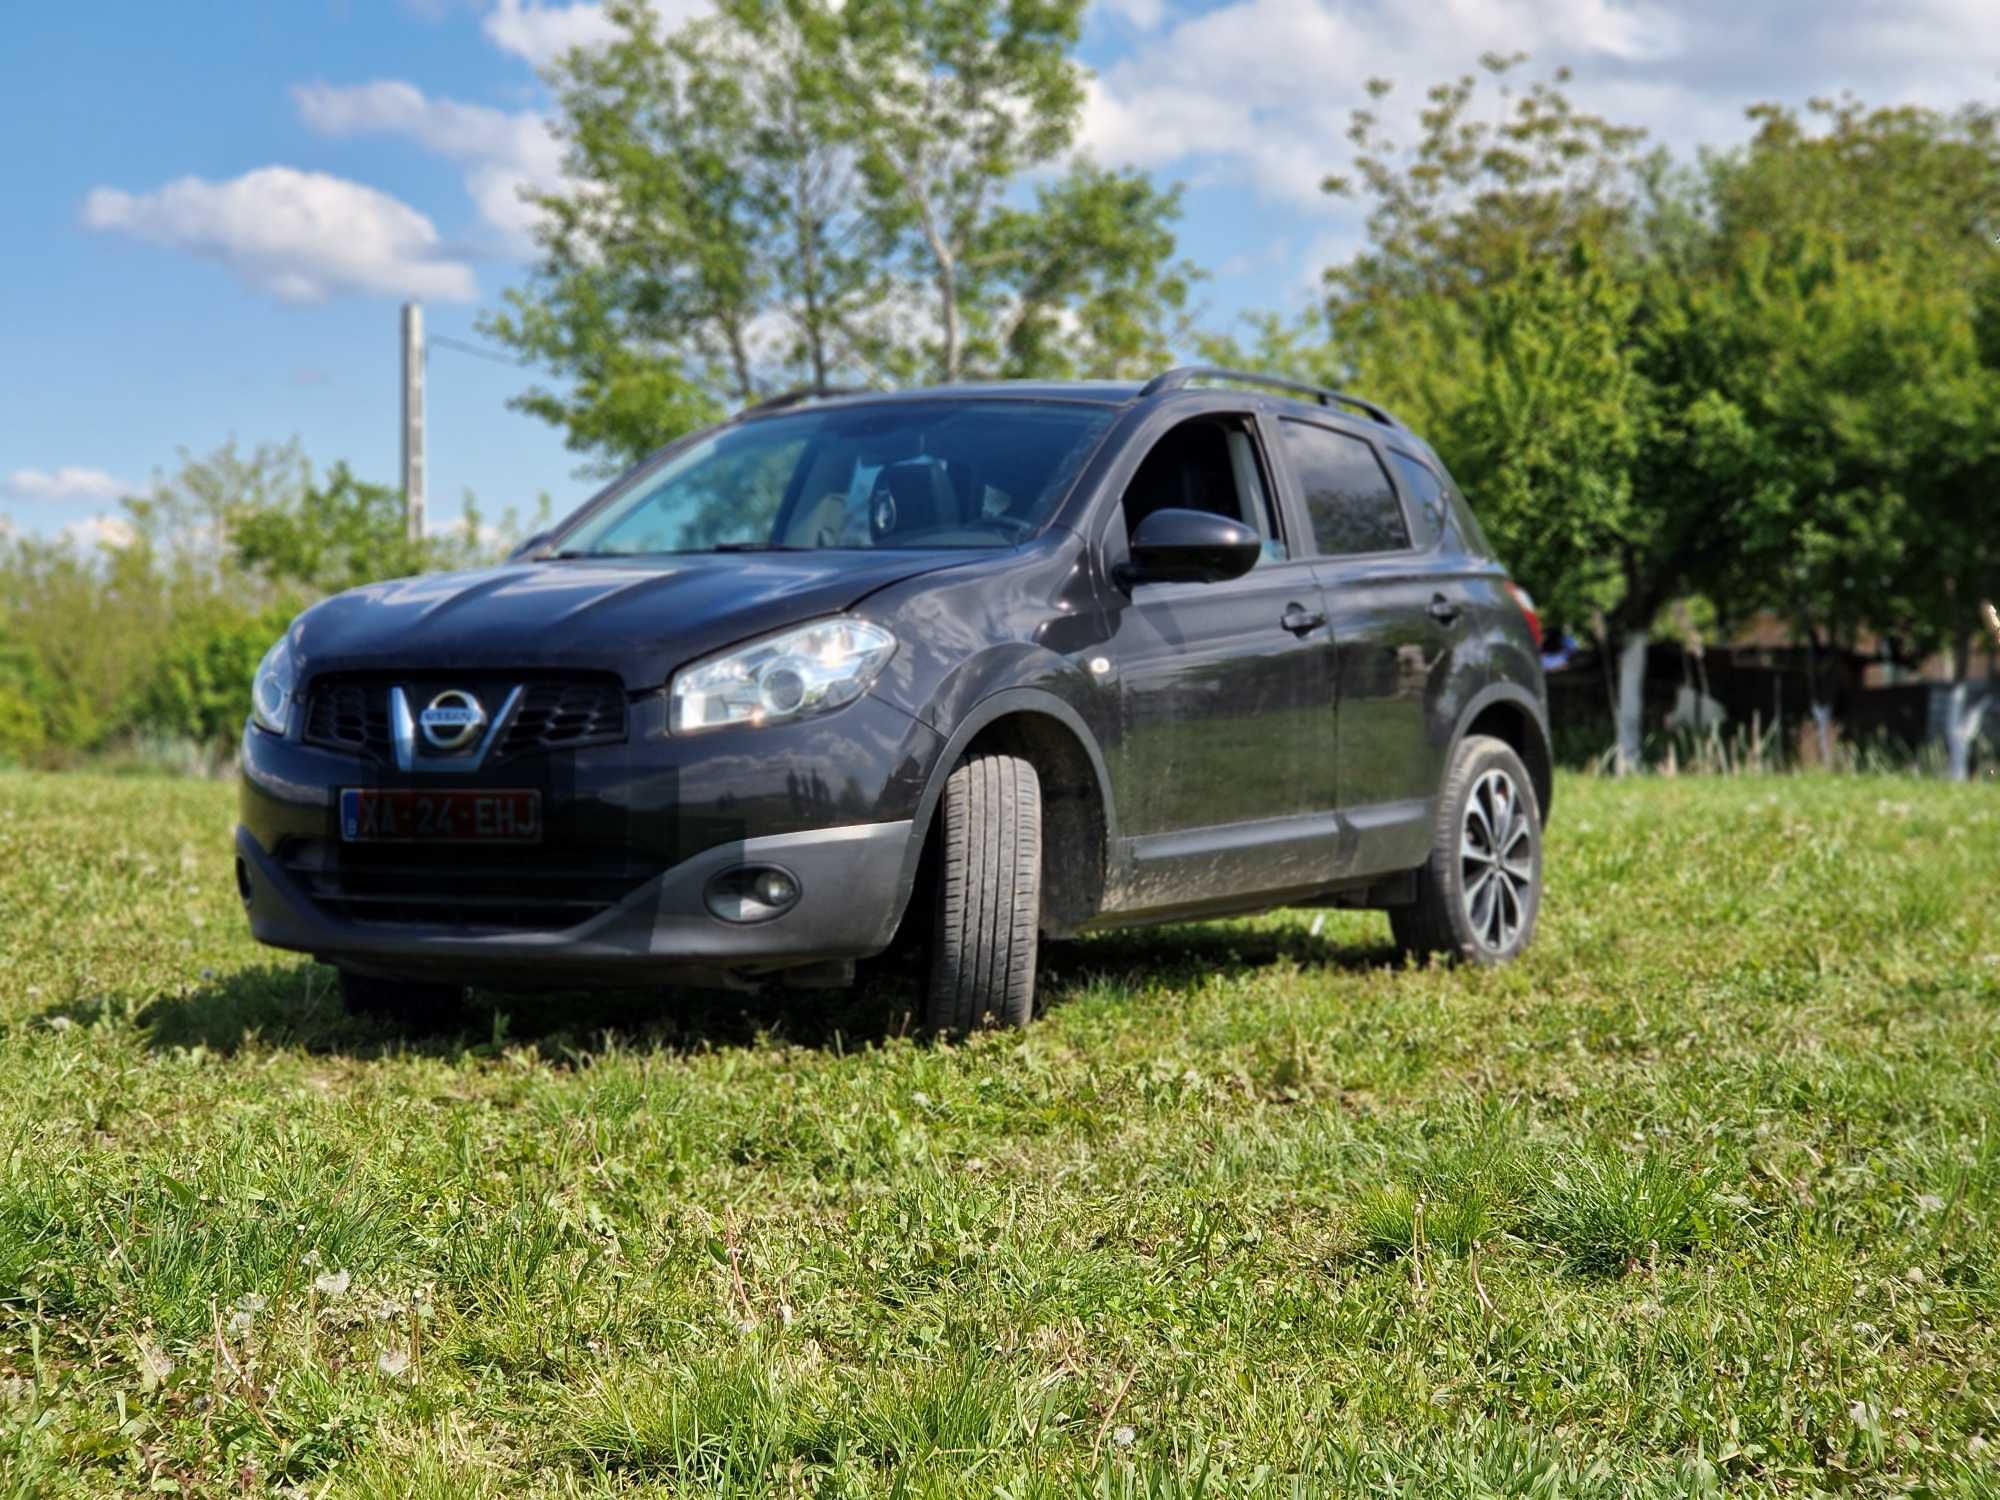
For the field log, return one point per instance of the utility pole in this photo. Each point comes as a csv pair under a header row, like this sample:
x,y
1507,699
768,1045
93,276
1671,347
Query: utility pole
x,y
413,418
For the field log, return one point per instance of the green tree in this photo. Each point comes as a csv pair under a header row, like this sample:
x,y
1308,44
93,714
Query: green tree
x,y
86,627
1087,287
198,685
162,631
1901,393
799,192
1476,199
326,536
947,102
710,206
1536,391
1796,393
1499,305
1768,381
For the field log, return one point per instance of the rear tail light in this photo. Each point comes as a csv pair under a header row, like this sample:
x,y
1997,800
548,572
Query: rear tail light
x,y
1527,611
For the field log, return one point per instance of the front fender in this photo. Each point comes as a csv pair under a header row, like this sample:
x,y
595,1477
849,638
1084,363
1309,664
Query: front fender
x,y
1020,699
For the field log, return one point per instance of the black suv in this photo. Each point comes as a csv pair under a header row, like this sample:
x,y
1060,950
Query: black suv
x,y
972,665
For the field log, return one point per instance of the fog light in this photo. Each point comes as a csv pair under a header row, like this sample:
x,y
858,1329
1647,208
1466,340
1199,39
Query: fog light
x,y
775,888
752,893
242,878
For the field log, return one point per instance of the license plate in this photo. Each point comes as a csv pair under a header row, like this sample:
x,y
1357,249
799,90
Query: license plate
x,y
380,815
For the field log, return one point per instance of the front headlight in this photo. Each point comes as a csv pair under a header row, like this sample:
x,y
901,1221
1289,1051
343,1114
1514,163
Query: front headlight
x,y
271,688
789,675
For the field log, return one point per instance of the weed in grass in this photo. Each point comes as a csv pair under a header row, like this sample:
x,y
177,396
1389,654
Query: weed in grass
x,y
1399,1220
1608,1213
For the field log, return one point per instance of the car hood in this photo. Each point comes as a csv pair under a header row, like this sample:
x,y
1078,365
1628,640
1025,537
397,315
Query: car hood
x,y
638,617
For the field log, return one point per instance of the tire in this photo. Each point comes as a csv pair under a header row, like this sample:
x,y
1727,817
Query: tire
x,y
989,905
1470,905
407,1002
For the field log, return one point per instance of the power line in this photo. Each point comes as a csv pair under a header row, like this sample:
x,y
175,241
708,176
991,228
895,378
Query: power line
x,y
475,349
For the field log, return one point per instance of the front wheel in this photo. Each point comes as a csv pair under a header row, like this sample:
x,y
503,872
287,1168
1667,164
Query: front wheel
x,y
989,903
1479,892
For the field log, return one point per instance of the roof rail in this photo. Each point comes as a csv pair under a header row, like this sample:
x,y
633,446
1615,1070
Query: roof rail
x,y
802,395
1186,375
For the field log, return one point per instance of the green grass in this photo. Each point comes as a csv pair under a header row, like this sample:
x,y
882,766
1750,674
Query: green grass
x,y
1699,1198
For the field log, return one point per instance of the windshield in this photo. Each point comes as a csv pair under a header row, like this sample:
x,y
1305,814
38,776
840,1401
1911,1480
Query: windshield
x,y
951,473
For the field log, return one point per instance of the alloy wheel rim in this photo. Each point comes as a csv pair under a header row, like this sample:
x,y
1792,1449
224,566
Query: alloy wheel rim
x,y
1496,851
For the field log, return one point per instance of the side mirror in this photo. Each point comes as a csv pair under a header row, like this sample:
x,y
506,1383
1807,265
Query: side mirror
x,y
527,550
1190,546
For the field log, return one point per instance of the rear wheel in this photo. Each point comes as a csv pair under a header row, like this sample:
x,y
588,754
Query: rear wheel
x,y
1479,892
406,1001
982,970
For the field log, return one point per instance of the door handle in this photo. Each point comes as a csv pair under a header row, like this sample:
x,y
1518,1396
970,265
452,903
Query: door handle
x,y
1443,610
1299,620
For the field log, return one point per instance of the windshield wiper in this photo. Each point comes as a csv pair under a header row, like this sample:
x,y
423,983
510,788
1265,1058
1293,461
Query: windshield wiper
x,y
570,554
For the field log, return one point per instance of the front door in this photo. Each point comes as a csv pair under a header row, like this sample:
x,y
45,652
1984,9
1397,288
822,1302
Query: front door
x,y
1223,767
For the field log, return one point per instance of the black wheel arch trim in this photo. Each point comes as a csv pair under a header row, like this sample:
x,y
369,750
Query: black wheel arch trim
x,y
986,712
1513,695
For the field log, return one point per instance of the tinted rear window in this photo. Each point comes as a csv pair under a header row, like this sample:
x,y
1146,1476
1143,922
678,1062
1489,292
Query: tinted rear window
x,y
1472,536
1347,493
1426,497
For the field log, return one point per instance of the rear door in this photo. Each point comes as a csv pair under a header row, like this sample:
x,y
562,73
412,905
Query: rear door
x,y
1392,625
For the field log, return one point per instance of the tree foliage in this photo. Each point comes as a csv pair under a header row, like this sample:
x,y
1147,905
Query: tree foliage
x,y
1769,379
798,192
329,535
1879,384
1476,199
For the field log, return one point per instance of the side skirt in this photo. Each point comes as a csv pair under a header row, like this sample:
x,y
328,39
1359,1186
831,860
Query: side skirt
x,y
1366,858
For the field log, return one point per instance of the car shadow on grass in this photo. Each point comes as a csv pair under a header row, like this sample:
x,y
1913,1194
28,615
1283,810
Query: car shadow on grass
x,y
297,1004
1187,954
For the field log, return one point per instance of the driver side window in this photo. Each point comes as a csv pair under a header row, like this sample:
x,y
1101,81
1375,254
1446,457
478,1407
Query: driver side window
x,y
1211,464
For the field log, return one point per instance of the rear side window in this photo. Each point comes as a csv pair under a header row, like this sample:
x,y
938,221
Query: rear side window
x,y
1472,536
1426,495
1347,493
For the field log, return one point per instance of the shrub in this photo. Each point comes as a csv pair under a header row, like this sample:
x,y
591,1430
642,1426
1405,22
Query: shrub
x,y
22,733
199,687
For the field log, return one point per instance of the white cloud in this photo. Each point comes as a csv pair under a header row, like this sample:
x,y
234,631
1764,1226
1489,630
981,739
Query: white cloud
x,y
70,482
1143,14
541,33
501,151
99,531
1264,88
300,236
1269,84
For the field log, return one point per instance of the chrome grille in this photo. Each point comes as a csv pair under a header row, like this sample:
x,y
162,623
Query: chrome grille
x,y
349,716
350,712
558,715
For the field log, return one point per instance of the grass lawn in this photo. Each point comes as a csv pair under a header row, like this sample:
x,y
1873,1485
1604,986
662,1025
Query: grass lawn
x,y
1699,1198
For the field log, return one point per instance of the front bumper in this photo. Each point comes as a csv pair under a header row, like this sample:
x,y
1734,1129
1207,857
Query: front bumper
x,y
672,814
852,892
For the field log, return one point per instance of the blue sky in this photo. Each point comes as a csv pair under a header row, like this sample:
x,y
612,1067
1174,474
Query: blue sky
x,y
212,211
